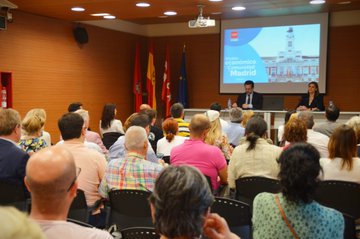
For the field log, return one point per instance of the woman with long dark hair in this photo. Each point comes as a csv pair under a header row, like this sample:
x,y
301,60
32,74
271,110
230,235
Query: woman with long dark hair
x,y
293,213
254,157
108,123
312,100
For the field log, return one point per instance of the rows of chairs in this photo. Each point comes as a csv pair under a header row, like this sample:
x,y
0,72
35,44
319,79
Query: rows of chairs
x,y
130,208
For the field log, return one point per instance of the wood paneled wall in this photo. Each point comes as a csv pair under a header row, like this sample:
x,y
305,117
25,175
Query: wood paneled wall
x,y
50,70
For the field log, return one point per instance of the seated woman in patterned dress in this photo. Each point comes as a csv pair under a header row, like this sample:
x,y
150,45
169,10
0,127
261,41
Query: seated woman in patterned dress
x,y
293,213
32,127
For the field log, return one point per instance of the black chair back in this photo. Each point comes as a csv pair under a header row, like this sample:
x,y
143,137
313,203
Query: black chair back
x,y
247,188
129,208
340,195
237,215
349,232
166,159
139,233
12,194
79,210
110,138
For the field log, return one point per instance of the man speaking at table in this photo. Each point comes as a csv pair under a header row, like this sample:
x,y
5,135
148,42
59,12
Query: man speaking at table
x,y
250,100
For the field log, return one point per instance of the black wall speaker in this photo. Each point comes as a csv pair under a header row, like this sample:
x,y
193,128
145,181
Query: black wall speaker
x,y
81,35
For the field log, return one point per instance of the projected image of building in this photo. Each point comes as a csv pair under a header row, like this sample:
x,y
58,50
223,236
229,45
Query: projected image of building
x,y
290,65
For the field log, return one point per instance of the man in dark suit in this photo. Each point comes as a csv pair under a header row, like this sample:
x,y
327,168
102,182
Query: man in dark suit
x,y
250,99
13,159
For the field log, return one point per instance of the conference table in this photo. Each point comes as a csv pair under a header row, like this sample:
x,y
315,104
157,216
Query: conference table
x,y
273,118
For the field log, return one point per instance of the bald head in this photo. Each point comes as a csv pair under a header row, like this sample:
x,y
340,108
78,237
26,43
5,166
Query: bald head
x,y
144,107
199,124
49,174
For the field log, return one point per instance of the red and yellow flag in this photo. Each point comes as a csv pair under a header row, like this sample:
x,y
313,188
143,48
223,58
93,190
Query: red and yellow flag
x,y
150,79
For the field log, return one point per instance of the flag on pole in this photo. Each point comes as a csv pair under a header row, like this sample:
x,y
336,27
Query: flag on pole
x,y
183,95
166,94
137,88
150,79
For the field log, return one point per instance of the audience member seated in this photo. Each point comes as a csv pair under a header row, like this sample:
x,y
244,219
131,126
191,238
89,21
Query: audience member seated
x,y
312,100
91,163
177,112
42,114
295,132
91,136
195,152
12,159
132,171
32,126
171,139
354,122
216,106
280,135
155,132
16,225
332,114
234,130
180,206
293,213
342,163
118,150
75,106
215,136
51,177
255,157
108,123
318,140
247,115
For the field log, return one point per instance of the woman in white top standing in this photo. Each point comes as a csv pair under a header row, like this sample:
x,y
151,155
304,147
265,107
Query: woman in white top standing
x,y
108,123
171,139
342,163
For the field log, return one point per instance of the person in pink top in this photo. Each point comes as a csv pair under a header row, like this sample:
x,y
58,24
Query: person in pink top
x,y
91,162
195,152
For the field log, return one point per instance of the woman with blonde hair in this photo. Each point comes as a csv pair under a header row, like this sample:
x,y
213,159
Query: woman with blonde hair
x,y
32,126
354,123
171,139
42,113
215,136
342,163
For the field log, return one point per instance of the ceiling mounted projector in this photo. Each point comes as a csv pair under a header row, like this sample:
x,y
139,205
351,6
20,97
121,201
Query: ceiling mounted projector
x,y
201,21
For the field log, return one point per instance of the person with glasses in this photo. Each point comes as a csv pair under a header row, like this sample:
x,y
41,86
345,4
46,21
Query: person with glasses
x,y
92,163
12,159
51,177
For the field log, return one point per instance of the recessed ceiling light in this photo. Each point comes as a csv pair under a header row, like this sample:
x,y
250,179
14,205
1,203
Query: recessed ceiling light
x,y
215,0
344,2
238,8
99,14
317,2
109,17
170,13
142,4
77,9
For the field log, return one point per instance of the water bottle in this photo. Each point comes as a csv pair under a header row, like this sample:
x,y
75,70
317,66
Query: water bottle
x,y
229,104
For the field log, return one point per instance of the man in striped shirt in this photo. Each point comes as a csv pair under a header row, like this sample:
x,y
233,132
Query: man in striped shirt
x,y
133,171
177,112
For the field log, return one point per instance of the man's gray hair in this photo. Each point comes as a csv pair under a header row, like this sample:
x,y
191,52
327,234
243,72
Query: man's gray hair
x,y
84,114
308,118
236,115
135,137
